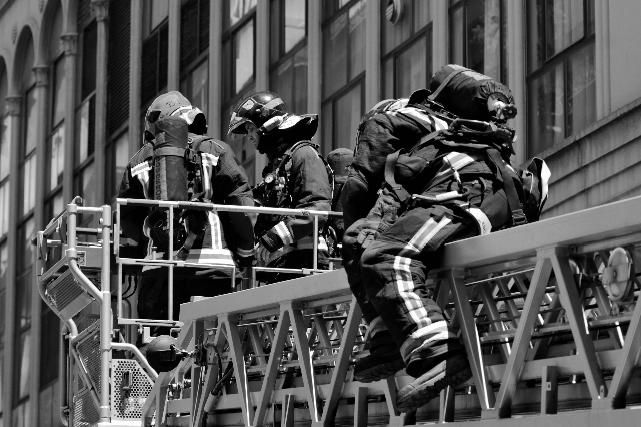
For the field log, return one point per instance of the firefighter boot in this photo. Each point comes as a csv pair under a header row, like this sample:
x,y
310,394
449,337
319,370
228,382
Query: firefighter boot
x,y
434,368
384,359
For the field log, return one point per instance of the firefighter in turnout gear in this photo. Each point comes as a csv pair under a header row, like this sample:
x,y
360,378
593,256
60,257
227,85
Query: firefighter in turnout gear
x,y
178,162
455,182
295,177
390,125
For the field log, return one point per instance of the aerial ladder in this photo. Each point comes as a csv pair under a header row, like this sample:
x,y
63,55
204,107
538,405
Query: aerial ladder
x,y
547,311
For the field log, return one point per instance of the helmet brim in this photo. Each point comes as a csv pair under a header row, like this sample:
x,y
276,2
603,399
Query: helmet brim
x,y
237,125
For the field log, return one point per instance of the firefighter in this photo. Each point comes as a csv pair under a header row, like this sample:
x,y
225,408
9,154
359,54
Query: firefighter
x,y
390,125
224,239
295,177
456,183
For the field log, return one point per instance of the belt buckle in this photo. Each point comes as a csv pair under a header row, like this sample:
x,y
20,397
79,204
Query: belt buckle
x,y
518,217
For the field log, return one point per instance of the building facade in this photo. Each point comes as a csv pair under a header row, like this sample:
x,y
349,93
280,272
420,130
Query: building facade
x,y
77,75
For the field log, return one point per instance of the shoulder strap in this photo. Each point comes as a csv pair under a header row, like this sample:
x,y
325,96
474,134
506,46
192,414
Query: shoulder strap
x,y
390,164
444,83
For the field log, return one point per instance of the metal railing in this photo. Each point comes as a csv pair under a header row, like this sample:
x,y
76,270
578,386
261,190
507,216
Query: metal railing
x,y
171,262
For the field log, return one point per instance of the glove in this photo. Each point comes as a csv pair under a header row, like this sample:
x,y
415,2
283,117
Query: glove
x,y
262,254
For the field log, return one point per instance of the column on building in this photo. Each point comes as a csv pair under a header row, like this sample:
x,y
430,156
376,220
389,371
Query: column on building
x,y
173,65
215,69
440,29
135,75
70,48
100,9
41,73
372,54
516,39
314,59
14,105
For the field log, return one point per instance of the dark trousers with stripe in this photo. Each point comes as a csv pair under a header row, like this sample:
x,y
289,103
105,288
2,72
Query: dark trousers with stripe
x,y
357,237
393,271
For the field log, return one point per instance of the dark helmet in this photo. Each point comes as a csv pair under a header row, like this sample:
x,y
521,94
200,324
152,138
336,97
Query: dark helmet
x,y
161,353
173,103
266,110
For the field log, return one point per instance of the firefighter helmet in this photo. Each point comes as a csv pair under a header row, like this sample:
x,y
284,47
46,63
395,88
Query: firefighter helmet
x,y
265,110
172,103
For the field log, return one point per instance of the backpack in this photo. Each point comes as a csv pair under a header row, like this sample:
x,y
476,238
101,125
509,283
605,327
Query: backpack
x,y
431,162
178,172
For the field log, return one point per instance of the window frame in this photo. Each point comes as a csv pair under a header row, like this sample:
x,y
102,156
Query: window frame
x,y
332,100
283,55
561,58
453,6
399,50
53,126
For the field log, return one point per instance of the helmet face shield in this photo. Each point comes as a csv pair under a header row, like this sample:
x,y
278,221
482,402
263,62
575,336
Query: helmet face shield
x,y
258,109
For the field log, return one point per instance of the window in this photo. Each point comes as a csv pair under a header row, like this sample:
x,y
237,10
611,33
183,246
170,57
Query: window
x,y
343,46
56,139
194,31
288,71
343,71
195,86
49,340
561,80
406,49
238,73
341,117
287,27
289,79
154,64
154,13
238,46
118,156
476,39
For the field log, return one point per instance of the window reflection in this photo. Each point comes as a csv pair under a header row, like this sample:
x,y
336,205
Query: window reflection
x,y
561,83
412,66
407,49
244,55
475,35
4,208
294,23
195,86
28,189
5,147
56,157
23,353
238,9
289,80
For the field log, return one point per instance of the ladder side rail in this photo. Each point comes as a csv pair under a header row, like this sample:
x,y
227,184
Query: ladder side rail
x,y
576,228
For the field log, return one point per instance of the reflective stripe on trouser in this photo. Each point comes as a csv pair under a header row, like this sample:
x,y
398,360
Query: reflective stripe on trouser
x,y
394,269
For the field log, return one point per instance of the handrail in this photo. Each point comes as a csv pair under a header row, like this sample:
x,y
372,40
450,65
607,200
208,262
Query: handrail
x,y
143,361
171,262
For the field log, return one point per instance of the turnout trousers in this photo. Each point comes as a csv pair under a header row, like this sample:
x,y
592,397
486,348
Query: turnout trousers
x,y
393,272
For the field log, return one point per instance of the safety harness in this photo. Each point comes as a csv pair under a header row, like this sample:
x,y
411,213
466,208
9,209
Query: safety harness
x,y
460,137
